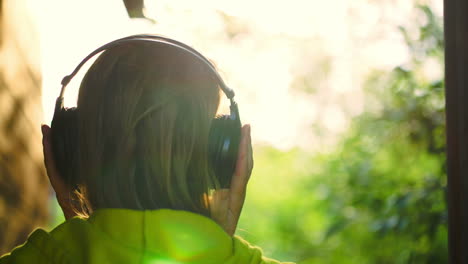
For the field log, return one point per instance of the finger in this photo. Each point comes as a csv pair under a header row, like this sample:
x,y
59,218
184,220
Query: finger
x,y
61,190
240,177
250,155
56,181
219,202
48,157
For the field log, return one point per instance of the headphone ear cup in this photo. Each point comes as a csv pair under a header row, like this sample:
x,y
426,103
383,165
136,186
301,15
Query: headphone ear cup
x,y
64,129
223,148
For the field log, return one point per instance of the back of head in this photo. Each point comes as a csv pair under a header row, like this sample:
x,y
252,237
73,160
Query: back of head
x,y
144,115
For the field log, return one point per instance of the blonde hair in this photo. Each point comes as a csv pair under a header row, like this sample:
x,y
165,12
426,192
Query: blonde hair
x,y
144,114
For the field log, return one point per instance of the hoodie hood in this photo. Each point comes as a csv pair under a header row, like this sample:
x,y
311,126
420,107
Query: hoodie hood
x,y
164,234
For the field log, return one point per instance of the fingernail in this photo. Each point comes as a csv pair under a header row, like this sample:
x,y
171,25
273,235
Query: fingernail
x,y
43,129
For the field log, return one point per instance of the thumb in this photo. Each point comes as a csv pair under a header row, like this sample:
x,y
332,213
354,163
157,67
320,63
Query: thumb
x,y
62,191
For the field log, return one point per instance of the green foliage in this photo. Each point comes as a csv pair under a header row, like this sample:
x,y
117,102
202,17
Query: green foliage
x,y
380,196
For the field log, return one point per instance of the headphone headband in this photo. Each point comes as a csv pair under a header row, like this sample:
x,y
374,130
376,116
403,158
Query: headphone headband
x,y
225,130
150,38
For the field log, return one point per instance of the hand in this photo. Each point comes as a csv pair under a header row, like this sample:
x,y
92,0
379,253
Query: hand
x,y
226,204
62,192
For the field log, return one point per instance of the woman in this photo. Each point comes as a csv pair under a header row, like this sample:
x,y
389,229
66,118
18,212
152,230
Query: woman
x,y
140,187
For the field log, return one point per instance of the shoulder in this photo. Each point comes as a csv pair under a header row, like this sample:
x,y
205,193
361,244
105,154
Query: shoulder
x,y
43,247
253,254
29,252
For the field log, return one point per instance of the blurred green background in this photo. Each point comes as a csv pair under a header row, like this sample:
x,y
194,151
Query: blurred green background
x,y
377,195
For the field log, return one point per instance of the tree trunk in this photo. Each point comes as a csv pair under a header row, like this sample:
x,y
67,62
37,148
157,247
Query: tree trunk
x,y
23,184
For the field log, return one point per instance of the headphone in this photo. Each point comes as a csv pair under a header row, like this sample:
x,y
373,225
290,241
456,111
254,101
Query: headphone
x,y
225,130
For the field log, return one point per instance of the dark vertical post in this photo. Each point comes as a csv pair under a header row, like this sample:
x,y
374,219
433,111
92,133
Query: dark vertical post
x,y
134,8
456,74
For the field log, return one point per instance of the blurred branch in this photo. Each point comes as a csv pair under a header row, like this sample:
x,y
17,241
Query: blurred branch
x,y
136,9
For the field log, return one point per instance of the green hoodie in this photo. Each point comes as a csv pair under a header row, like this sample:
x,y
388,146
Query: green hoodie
x,y
129,236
